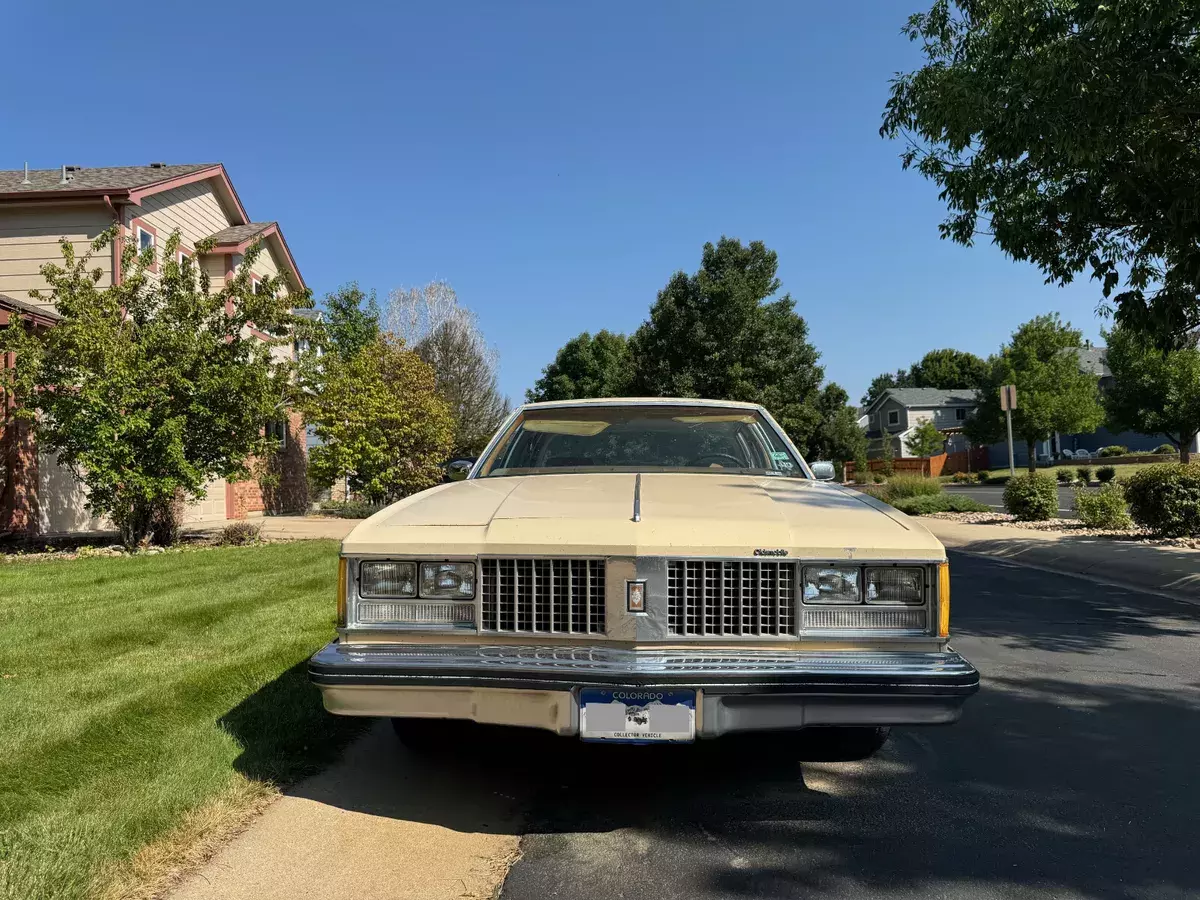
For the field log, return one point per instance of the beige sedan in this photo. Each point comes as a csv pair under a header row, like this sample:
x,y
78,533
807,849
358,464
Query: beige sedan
x,y
645,571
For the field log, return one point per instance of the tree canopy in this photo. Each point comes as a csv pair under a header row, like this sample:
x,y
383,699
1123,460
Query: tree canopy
x,y
351,320
586,366
837,437
1153,391
148,389
718,334
946,369
1066,132
1054,392
381,421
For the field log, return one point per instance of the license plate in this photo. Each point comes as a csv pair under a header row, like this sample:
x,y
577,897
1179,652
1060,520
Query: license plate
x,y
637,716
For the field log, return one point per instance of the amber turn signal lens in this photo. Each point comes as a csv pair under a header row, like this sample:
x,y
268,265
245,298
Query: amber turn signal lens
x,y
944,599
341,592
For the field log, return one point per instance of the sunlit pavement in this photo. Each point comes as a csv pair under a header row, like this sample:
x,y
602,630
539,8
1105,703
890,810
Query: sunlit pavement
x,y
1072,774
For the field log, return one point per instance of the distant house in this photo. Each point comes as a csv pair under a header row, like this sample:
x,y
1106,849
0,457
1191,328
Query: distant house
x,y
898,411
38,208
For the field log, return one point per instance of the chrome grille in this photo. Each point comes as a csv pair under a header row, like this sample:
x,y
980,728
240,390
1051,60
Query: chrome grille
x,y
865,617
542,595
727,597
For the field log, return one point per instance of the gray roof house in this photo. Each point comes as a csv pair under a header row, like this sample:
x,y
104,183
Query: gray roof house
x,y
898,411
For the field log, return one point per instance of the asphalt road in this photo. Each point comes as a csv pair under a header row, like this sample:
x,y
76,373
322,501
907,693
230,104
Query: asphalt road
x,y
993,496
1074,773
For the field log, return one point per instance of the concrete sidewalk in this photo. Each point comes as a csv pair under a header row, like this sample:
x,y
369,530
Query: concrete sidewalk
x,y
1168,570
380,824
289,527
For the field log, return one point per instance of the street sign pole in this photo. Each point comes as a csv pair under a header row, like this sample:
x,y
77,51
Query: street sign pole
x,y
1012,469
1008,402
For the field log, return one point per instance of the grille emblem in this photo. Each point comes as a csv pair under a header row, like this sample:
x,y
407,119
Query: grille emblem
x,y
761,551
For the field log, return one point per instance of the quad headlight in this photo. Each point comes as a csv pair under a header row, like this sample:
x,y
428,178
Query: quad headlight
x,y
852,585
404,593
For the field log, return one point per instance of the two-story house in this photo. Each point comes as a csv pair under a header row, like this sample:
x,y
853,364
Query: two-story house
x,y
38,208
898,411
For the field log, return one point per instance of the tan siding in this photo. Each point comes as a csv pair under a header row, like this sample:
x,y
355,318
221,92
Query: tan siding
x,y
62,500
29,239
214,265
192,209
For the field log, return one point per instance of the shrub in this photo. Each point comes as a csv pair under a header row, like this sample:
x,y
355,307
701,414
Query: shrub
x,y
966,477
995,479
349,509
1166,499
878,478
1064,475
1114,450
239,534
927,504
1031,497
1165,450
861,476
1103,508
1105,474
902,486
1084,473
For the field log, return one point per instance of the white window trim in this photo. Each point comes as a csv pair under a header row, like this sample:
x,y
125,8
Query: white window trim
x,y
139,232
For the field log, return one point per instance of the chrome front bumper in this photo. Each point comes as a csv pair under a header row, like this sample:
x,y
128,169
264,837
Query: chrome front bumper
x,y
738,690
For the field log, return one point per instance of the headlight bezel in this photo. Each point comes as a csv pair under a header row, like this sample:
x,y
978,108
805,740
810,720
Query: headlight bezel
x,y
864,571
461,609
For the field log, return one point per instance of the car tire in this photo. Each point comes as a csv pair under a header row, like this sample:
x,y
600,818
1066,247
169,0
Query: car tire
x,y
842,743
431,736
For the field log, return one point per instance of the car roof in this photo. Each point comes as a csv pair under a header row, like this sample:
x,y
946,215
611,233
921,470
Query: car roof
x,y
642,401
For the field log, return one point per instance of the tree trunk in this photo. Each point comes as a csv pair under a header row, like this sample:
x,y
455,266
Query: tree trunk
x,y
135,522
1032,459
1185,448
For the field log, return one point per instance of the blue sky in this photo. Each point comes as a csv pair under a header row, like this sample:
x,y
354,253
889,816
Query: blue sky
x,y
555,162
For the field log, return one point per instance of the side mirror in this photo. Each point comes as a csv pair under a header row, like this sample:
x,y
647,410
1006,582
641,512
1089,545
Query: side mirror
x,y
458,469
823,471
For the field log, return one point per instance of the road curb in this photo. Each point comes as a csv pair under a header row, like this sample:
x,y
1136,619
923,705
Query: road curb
x,y
1171,571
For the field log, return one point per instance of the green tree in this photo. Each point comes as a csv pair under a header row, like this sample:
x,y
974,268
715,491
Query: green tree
x,y
586,366
716,334
1054,393
148,389
381,421
949,369
351,320
1153,392
837,437
1067,130
902,378
925,440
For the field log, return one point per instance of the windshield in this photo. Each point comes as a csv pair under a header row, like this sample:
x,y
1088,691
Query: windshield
x,y
642,439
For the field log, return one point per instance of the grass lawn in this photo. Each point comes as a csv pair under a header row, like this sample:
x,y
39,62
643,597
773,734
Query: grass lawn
x,y
149,703
1123,471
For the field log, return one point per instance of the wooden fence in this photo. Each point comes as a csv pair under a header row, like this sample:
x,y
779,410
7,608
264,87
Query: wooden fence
x,y
931,466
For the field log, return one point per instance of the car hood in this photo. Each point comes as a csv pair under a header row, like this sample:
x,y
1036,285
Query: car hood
x,y
681,514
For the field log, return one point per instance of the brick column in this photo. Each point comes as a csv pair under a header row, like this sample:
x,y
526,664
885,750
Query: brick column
x,y
18,495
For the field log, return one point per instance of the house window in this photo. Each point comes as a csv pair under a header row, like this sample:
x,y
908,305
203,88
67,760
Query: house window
x,y
277,432
145,239
960,415
893,417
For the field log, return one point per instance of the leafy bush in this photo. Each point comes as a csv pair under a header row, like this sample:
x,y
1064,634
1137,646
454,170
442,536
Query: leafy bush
x,y
239,534
1105,474
349,509
1166,499
1114,450
1103,508
1064,475
966,477
1031,497
902,486
1085,474
861,476
995,479
1165,450
927,504
879,478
